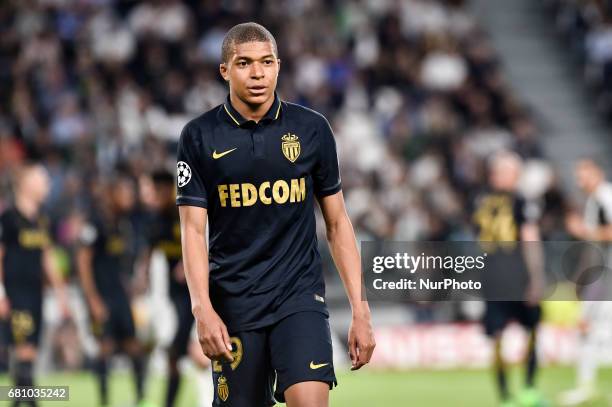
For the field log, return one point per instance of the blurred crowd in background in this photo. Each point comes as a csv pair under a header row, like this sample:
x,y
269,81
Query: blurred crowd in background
x,y
587,25
413,89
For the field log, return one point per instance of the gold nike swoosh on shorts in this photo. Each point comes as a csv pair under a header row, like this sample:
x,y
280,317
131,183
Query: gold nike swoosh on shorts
x,y
219,155
314,367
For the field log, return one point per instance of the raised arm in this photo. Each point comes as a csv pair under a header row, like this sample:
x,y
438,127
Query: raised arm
x,y
341,239
212,332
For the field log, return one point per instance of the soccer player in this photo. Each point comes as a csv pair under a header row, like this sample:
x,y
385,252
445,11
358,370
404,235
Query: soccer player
x,y
253,167
594,225
105,260
25,259
165,235
507,229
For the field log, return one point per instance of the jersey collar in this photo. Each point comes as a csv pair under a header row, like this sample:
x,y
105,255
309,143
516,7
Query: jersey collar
x,y
236,118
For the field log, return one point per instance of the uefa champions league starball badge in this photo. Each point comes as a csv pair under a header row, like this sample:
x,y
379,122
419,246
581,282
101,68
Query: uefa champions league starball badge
x,y
183,173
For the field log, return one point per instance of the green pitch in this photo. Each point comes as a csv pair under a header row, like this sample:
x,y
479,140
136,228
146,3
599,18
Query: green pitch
x,y
472,388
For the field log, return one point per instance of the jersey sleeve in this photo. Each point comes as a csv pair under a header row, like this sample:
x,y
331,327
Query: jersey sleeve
x,y
603,195
326,175
191,190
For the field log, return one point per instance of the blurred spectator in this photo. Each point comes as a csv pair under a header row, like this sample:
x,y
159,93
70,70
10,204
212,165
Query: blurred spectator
x,y
587,25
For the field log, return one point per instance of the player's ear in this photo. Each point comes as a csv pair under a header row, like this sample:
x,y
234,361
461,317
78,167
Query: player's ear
x,y
224,71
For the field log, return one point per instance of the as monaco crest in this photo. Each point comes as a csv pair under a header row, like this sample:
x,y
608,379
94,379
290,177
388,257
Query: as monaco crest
x,y
222,388
291,147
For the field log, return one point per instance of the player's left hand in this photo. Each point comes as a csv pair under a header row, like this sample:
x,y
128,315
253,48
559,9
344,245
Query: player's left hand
x,y
361,340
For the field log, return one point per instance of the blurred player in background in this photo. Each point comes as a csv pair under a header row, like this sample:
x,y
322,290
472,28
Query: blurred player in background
x,y
25,259
105,260
503,219
165,236
205,387
594,225
264,278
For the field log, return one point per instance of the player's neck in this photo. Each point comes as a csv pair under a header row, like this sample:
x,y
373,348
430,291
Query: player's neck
x,y
26,206
251,112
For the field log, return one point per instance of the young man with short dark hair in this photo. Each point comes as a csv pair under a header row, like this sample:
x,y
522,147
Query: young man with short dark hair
x,y
253,166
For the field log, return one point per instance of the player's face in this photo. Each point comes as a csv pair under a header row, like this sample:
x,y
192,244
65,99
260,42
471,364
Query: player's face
x,y
36,184
504,175
123,195
252,72
588,176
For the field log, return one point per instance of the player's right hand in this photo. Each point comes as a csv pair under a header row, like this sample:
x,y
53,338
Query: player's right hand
x,y
361,341
98,309
5,308
213,337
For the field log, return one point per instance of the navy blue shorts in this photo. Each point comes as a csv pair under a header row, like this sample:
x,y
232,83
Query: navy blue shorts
x,y
25,322
26,316
296,349
499,314
119,325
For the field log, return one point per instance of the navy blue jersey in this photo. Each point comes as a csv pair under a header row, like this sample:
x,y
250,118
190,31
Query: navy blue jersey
x,y
111,241
498,218
23,240
258,182
165,235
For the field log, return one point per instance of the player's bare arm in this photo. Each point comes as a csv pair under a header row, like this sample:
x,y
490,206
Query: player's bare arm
x,y
212,332
5,306
52,274
341,238
534,258
140,282
84,261
576,227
